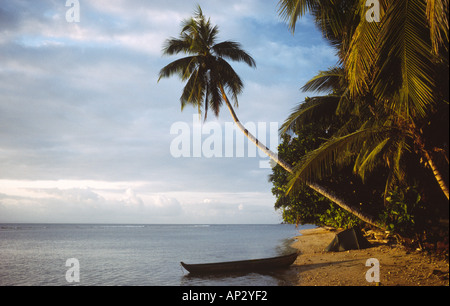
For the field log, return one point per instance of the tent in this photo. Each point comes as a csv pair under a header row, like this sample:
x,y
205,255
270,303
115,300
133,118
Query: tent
x,y
350,239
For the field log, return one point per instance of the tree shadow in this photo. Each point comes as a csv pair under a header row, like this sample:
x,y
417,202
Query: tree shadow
x,y
307,267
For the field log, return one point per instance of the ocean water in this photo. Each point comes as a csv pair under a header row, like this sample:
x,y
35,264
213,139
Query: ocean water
x,y
136,255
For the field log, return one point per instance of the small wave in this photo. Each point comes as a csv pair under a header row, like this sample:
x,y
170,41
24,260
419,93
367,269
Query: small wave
x,y
19,227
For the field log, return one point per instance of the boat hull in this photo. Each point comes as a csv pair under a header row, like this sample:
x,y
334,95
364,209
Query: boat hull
x,y
254,265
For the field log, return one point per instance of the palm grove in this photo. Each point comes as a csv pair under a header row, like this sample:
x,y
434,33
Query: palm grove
x,y
372,146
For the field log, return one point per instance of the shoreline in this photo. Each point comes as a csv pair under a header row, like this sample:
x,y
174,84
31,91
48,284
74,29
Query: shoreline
x,y
398,267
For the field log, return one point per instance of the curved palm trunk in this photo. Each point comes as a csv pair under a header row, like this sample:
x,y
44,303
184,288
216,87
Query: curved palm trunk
x,y
323,191
253,139
437,173
428,156
364,217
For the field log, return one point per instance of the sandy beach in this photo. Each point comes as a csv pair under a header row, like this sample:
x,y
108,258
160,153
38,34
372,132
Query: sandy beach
x,y
398,267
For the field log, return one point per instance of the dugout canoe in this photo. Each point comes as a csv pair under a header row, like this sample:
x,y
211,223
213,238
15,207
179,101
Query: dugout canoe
x,y
252,265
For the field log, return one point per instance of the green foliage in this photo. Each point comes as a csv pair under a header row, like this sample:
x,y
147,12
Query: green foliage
x,y
384,111
305,206
401,210
338,218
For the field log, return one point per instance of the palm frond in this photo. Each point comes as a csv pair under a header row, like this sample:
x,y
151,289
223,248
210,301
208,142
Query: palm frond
x,y
292,10
437,14
229,79
174,46
233,50
314,109
347,105
326,81
215,99
193,91
338,151
359,59
405,79
183,67
368,158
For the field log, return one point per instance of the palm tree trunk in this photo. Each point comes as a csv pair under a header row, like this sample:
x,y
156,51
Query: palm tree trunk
x,y
252,138
323,191
428,156
436,172
364,217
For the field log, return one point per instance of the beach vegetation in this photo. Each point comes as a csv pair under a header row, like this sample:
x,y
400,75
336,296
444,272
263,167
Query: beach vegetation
x,y
386,105
375,134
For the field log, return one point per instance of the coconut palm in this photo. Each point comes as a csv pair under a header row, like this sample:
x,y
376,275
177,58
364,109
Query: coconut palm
x,y
210,79
399,61
391,72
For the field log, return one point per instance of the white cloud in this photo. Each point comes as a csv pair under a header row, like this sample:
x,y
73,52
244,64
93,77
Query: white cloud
x,y
105,202
85,127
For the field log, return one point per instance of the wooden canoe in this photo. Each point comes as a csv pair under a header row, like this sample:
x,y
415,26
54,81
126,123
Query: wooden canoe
x,y
253,265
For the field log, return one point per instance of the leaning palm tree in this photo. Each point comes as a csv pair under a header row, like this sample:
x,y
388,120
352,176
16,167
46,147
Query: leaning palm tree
x,y
210,79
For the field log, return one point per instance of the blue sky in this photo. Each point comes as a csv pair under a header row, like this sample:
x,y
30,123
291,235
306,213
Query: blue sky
x,y
85,126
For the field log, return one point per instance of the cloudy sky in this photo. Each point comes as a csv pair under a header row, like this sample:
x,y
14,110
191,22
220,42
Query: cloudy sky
x,y
85,128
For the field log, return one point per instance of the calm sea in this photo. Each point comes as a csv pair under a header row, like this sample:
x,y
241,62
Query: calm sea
x,y
136,255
